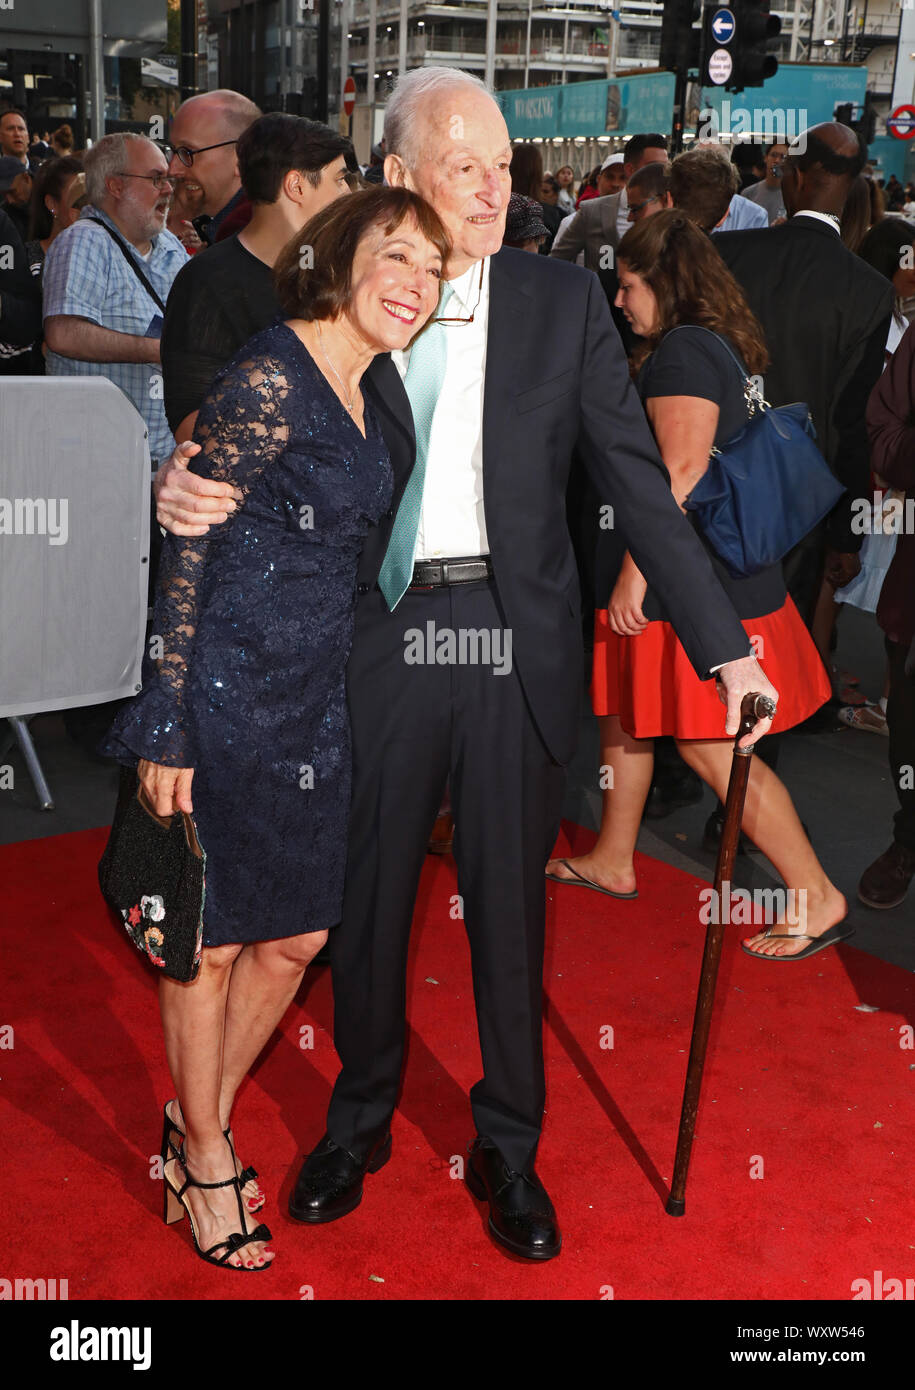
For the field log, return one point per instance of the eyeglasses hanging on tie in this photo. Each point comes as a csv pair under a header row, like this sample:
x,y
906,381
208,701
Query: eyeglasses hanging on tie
x,y
450,322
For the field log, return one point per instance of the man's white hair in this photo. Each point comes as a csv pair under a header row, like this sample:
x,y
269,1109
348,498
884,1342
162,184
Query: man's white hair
x,y
403,132
106,158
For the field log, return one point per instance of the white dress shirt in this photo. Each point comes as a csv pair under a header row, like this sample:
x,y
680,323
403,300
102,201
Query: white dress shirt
x,y
826,217
451,524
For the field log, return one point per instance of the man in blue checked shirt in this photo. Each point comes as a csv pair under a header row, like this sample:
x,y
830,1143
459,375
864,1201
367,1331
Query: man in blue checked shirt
x,y
106,279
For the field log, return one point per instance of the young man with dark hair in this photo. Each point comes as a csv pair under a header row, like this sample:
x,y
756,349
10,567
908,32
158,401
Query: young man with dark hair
x,y
290,168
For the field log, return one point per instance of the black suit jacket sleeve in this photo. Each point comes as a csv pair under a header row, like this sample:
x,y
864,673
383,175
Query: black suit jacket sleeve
x,y
851,459
20,292
619,452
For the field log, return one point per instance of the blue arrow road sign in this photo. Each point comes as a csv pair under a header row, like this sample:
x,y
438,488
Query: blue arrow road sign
x,y
723,26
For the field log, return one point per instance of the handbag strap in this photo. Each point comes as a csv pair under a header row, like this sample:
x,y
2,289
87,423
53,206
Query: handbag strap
x,y
131,261
751,391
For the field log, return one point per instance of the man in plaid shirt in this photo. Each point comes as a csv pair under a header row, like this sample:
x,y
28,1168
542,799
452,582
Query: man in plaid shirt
x,y
100,318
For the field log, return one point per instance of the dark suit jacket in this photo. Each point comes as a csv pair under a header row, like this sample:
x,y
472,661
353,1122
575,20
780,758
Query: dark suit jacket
x,y
20,293
825,314
591,229
553,358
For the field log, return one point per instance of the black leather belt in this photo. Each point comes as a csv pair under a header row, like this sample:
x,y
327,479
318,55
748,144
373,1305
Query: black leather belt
x,y
433,574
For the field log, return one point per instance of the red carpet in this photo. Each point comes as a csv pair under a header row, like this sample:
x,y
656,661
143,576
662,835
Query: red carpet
x,y
797,1077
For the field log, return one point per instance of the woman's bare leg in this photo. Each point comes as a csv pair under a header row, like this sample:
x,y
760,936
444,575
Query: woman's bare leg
x,y
626,766
263,985
263,982
773,825
193,1021
825,615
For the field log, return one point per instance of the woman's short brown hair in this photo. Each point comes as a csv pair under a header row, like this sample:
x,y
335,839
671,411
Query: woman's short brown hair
x,y
691,284
313,275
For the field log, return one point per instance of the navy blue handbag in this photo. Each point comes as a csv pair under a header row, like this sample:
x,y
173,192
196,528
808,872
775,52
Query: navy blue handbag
x,y
767,488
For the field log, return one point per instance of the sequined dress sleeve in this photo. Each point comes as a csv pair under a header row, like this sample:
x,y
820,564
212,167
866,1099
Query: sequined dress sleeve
x,y
242,426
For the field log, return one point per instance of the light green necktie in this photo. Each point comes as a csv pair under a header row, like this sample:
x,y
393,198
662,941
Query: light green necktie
x,y
423,382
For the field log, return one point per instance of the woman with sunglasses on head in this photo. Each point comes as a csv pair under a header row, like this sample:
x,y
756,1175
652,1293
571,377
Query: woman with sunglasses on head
x,y
243,717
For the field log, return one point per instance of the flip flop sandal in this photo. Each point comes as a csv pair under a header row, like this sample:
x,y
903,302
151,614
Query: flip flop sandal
x,y
869,717
587,882
832,937
851,695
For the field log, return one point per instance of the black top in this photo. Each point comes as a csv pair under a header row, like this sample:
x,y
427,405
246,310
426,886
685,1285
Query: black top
x,y
20,301
691,362
220,299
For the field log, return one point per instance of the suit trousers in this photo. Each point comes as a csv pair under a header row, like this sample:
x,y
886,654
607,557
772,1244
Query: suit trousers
x,y
422,713
900,718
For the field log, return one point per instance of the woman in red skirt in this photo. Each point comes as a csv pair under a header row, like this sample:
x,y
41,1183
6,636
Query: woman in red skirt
x,y
643,685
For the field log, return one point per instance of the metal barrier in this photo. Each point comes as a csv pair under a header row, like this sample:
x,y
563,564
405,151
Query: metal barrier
x,y
74,548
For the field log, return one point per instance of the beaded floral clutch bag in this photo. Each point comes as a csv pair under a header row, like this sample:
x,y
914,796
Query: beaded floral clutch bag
x,y
152,874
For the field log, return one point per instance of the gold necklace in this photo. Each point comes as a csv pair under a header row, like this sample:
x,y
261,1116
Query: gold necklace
x,y
349,402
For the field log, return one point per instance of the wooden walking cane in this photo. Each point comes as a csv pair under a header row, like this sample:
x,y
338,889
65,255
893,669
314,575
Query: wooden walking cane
x,y
753,707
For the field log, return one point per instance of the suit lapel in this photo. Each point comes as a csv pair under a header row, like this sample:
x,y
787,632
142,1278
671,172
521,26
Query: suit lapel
x,y
508,304
393,406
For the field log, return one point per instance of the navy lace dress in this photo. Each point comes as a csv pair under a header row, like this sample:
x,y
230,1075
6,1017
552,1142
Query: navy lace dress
x,y
244,680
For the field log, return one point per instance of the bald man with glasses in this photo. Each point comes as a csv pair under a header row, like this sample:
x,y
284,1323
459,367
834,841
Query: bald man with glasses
x,y
204,164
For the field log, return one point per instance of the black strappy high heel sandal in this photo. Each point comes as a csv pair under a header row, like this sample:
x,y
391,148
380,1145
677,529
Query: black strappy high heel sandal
x,y
174,1206
246,1175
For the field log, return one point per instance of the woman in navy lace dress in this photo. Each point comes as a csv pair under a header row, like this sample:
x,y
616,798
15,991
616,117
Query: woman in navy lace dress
x,y
242,717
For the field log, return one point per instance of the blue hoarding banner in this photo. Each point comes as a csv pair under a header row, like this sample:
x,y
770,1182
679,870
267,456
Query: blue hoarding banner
x,y
623,106
532,111
798,96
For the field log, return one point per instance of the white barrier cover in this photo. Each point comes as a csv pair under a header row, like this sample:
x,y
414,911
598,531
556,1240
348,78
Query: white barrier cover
x,y
74,543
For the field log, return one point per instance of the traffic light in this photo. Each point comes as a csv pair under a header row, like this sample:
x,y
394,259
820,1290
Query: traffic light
x,y
754,27
867,127
861,119
679,40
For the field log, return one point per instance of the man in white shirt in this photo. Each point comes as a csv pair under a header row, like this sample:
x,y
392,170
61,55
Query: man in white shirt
x,y
469,667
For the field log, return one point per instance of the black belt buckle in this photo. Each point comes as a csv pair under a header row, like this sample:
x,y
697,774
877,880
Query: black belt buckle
x,y
430,567
443,573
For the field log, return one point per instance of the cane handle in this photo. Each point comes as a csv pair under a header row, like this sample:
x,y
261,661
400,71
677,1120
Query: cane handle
x,y
753,707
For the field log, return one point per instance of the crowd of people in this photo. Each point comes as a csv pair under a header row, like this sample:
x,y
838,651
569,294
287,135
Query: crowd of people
x,y
374,422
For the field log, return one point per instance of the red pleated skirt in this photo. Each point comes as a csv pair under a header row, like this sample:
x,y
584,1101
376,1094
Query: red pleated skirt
x,y
648,680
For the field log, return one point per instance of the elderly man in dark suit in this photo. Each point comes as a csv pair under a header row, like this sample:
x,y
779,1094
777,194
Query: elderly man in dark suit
x,y
476,546
825,314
